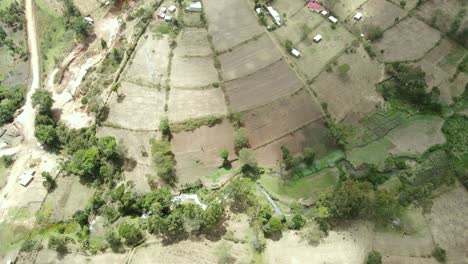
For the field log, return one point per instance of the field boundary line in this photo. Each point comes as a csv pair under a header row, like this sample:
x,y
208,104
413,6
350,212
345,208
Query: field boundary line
x,y
228,50
111,125
250,74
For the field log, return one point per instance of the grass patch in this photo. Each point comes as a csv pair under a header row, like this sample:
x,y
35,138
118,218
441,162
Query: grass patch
x,y
310,186
194,123
373,153
214,177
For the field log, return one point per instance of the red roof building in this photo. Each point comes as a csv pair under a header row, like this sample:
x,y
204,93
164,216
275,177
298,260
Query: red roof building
x,y
314,6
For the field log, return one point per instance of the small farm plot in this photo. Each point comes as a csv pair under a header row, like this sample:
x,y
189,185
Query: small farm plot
x,y
249,58
448,223
152,55
407,41
136,107
417,135
298,26
313,135
197,153
69,196
272,121
193,72
230,23
374,153
352,93
193,42
378,13
344,9
379,124
442,15
264,86
316,56
186,104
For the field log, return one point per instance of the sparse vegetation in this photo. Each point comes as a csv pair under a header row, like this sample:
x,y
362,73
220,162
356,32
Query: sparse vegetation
x,y
10,101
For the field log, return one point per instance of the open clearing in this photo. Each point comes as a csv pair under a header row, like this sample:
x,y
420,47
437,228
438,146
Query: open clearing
x,y
294,27
448,223
271,121
345,8
193,42
230,28
193,72
409,40
347,245
152,55
352,95
440,64
197,152
308,186
249,58
417,136
186,104
140,109
313,135
315,56
378,13
264,86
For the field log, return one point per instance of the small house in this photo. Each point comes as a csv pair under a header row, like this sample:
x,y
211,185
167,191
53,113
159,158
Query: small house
x,y
317,38
358,16
314,6
168,18
259,10
194,7
295,53
26,178
324,13
333,19
89,20
276,16
172,8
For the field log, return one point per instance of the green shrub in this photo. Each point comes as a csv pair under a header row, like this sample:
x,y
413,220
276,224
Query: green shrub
x,y
440,254
374,257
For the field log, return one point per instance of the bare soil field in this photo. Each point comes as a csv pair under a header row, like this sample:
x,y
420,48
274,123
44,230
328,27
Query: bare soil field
x,y
193,42
443,13
193,72
186,104
409,40
140,108
315,56
152,55
274,120
231,23
197,152
293,28
378,13
345,8
264,86
249,58
70,196
440,64
448,223
348,245
313,135
288,7
417,136
352,95
52,257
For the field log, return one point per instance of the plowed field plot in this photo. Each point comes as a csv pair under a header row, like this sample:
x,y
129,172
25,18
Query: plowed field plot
x,y
249,58
138,108
352,95
152,55
272,121
288,7
407,41
264,86
440,65
449,225
378,13
193,72
443,13
186,104
315,56
379,124
230,23
313,135
193,42
197,152
344,9
293,30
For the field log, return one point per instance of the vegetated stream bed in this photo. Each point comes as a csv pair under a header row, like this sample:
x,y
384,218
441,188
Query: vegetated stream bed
x,y
269,199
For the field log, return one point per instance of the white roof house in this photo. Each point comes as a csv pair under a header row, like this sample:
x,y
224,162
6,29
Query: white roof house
x,y
182,198
89,20
333,19
195,7
324,13
168,18
259,10
317,38
27,177
358,16
163,9
295,52
276,16
172,8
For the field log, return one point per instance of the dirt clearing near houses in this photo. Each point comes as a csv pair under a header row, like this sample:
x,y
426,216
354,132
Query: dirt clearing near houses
x,y
378,13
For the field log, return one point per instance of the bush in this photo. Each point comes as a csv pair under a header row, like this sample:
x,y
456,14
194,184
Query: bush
x,y
296,222
241,139
131,233
58,243
374,257
44,99
374,33
164,160
274,226
344,68
440,254
288,45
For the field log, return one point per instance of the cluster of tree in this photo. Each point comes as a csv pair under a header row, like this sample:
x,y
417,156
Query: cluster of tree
x,y
292,166
163,159
75,21
10,100
409,85
456,131
374,33
13,16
